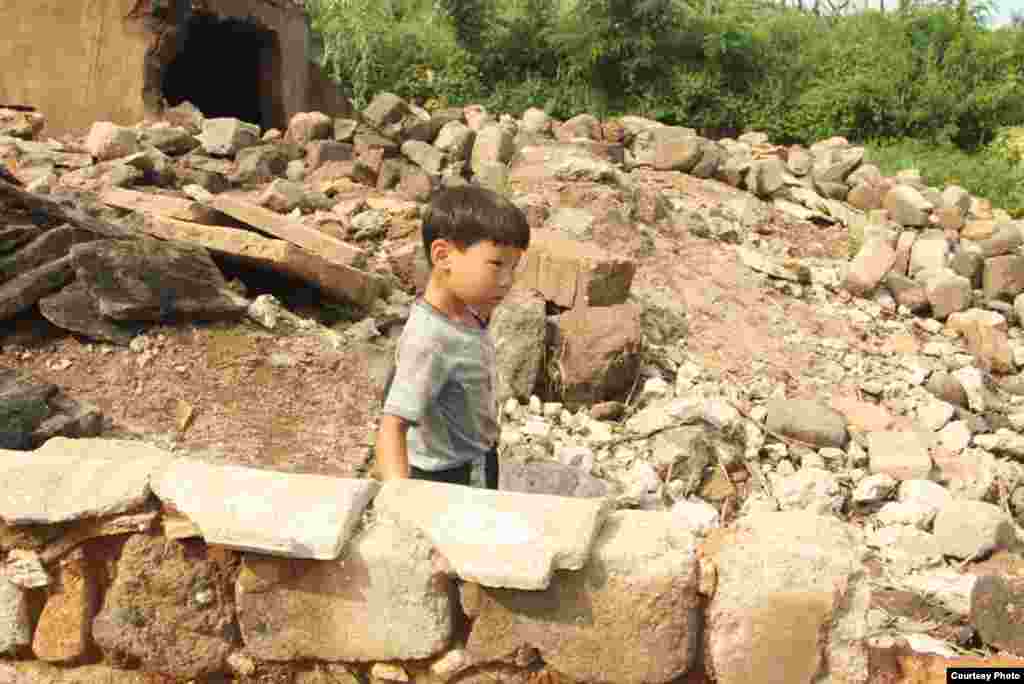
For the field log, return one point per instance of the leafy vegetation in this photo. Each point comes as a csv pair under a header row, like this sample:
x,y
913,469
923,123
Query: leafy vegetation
x,y
936,73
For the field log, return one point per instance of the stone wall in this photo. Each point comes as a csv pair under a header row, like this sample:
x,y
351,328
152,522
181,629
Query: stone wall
x,y
78,61
121,552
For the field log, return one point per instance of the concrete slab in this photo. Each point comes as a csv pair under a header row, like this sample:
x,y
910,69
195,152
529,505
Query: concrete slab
x,y
498,539
283,514
67,479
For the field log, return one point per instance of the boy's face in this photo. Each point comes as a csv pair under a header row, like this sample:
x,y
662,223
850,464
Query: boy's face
x,y
481,275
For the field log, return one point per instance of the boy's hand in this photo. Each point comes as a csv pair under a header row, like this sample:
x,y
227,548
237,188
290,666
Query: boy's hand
x,y
392,454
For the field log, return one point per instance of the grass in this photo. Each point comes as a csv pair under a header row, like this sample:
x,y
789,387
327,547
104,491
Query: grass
x,y
983,173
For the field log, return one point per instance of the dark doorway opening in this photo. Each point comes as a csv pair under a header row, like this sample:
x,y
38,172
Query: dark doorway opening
x,y
228,67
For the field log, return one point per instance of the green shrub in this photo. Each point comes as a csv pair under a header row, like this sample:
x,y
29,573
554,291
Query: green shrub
x,y
984,173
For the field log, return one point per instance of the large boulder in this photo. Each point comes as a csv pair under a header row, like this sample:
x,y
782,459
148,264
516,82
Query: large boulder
x,y
907,206
595,355
518,328
169,609
790,604
638,591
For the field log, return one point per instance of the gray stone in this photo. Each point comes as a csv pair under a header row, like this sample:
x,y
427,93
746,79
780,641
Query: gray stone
x,y
1003,277
518,329
766,176
424,155
385,599
74,309
1006,240
809,489
808,421
995,611
948,293
455,139
969,529
108,141
575,223
260,164
498,539
902,455
225,136
172,140
148,279
907,206
493,145
15,621
386,110
67,479
776,614
554,479
296,515
929,253
639,592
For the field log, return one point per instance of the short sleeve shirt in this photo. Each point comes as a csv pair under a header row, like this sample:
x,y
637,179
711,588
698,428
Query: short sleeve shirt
x,y
444,385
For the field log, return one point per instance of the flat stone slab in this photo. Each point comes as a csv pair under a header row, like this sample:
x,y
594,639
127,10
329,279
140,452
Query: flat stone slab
x,y
74,309
383,600
285,514
638,592
161,205
333,278
330,248
498,539
68,479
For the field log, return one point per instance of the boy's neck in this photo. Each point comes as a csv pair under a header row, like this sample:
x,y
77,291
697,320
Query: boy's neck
x,y
448,304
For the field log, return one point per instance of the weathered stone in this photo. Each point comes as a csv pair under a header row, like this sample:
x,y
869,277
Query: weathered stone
x,y
946,387
929,253
225,136
15,621
766,176
169,612
807,421
306,127
74,309
788,269
776,614
386,110
151,280
839,167
23,291
1003,277
492,145
384,600
901,455
424,155
156,167
68,479
172,140
498,539
712,156
596,353
455,139
947,293
969,264
648,142
281,196
21,124
907,206
966,529
107,141
345,130
978,229
866,196
554,479
287,514
799,160
63,633
809,489
908,293
535,120
639,591
338,280
1005,240
996,612
50,246
427,131
869,267
989,344
570,273
25,569
322,152
679,153
518,328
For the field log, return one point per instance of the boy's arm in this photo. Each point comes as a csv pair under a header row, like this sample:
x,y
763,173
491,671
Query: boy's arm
x,y
392,454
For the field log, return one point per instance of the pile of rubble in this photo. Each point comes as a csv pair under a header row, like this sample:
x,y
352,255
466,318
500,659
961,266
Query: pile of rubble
x,y
602,398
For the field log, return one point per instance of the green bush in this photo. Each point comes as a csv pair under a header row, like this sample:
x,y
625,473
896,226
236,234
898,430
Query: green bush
x,y
984,173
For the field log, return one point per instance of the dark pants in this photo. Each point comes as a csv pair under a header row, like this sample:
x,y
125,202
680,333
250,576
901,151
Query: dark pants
x,y
461,474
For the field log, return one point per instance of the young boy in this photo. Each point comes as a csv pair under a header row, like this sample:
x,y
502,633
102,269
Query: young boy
x,y
440,414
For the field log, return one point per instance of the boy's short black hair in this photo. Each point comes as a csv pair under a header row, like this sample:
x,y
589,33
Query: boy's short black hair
x,y
469,214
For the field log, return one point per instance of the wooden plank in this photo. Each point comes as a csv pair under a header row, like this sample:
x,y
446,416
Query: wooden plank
x,y
325,246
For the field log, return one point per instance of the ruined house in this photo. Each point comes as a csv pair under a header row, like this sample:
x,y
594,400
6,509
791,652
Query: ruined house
x,y
80,61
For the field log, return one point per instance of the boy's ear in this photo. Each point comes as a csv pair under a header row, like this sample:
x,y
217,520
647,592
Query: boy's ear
x,y
439,251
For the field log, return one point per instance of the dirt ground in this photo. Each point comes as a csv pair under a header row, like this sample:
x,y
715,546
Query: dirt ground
x,y
237,393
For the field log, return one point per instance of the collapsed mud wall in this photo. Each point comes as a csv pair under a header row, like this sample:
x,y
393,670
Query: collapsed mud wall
x,y
80,61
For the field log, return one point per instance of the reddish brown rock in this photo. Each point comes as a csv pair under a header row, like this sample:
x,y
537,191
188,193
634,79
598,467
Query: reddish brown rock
x,y
596,353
